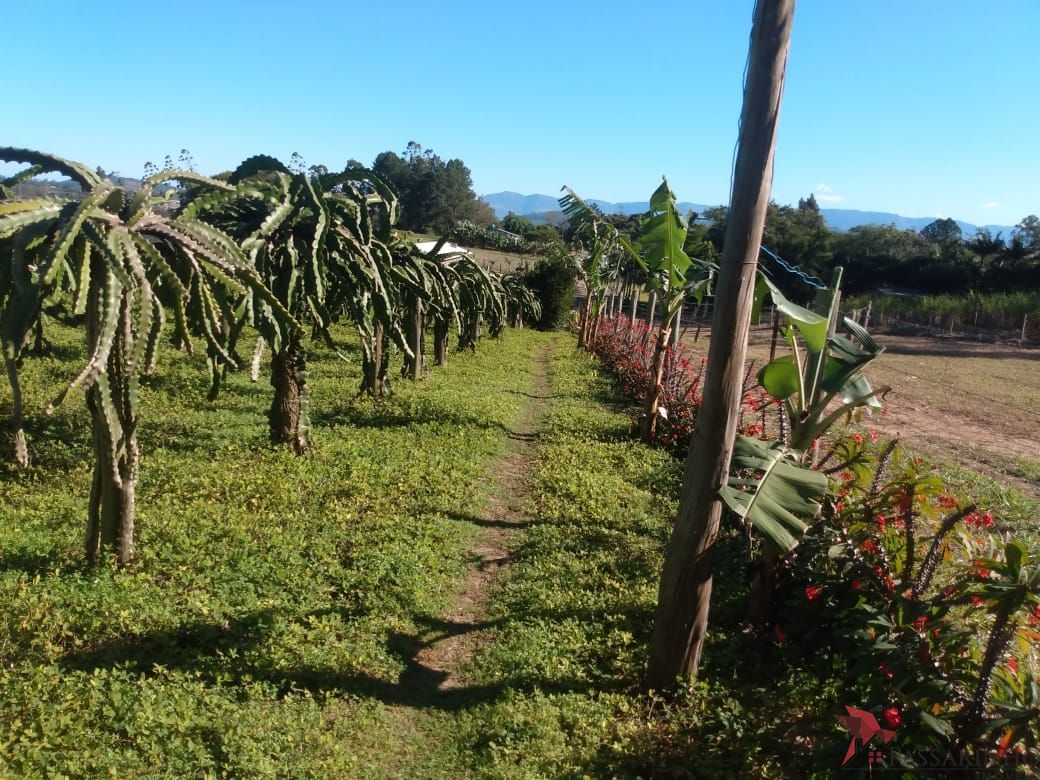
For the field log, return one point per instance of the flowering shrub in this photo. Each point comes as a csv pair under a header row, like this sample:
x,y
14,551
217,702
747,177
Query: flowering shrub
x,y
628,351
903,594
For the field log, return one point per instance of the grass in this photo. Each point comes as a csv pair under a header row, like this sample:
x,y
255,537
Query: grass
x,y
573,617
276,601
271,624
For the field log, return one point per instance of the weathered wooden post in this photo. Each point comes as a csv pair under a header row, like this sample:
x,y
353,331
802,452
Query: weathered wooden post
x,y
681,620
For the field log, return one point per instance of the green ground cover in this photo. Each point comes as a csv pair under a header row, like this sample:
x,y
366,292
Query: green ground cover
x,y
273,607
271,624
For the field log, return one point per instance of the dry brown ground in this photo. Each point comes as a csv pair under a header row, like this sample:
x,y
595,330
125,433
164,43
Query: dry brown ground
x,y
975,404
503,262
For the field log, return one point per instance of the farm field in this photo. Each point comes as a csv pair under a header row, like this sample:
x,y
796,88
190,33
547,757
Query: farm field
x,y
457,582
500,262
504,262
974,405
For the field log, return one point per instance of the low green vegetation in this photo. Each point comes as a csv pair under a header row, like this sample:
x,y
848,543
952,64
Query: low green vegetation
x,y
276,601
1002,311
573,618
271,623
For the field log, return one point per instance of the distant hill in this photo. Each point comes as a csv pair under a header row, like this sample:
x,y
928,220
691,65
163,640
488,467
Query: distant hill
x,y
537,207
534,205
843,219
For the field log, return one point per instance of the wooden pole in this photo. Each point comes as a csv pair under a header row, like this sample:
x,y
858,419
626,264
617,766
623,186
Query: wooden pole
x,y
681,621
776,332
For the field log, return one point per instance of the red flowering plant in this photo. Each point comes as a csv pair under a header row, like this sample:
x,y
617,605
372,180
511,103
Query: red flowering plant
x,y
627,351
905,596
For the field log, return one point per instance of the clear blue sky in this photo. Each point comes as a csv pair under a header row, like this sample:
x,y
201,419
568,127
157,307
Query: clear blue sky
x,y
921,107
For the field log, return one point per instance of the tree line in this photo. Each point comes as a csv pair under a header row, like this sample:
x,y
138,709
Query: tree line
x,y
938,259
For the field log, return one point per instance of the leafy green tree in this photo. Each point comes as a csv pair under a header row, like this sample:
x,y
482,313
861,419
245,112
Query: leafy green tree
x,y
1028,232
434,193
552,280
515,223
944,232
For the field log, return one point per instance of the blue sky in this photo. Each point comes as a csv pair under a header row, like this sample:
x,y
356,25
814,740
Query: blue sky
x,y
920,107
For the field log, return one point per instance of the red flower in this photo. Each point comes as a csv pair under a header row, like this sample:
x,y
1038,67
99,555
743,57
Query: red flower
x,y
920,623
869,546
947,502
873,435
883,667
813,592
857,584
979,570
1012,664
891,718
906,500
779,634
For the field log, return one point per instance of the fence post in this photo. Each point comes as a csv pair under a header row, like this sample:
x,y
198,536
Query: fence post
x,y
866,316
776,332
1022,339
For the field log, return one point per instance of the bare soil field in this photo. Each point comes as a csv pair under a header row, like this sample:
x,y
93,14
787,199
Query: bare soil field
x,y
503,262
977,405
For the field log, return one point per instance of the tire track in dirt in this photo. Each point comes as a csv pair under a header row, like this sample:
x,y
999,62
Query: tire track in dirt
x,y
441,661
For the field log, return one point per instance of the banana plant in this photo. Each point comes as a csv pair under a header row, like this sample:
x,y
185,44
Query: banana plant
x,y
819,383
120,260
827,368
602,250
314,241
673,276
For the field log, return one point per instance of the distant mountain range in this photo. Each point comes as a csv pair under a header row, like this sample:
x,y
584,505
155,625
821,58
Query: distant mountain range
x,y
538,208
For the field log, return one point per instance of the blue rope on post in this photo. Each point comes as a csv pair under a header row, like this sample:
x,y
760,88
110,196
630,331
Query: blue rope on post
x,y
812,281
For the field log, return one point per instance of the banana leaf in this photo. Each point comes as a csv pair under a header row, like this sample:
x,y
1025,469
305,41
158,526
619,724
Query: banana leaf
x,y
780,500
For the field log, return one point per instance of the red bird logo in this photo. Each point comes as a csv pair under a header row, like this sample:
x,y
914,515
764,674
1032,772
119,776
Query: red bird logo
x,y
863,727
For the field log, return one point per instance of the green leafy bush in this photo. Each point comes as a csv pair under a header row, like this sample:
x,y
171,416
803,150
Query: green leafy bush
x,y
552,281
923,615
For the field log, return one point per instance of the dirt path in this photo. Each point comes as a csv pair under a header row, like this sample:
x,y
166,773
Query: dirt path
x,y
442,659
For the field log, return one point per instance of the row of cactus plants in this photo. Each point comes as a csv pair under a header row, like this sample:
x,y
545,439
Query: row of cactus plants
x,y
263,246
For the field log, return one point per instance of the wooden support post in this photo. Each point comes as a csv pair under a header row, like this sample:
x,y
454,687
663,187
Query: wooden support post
x,y
684,596
776,333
